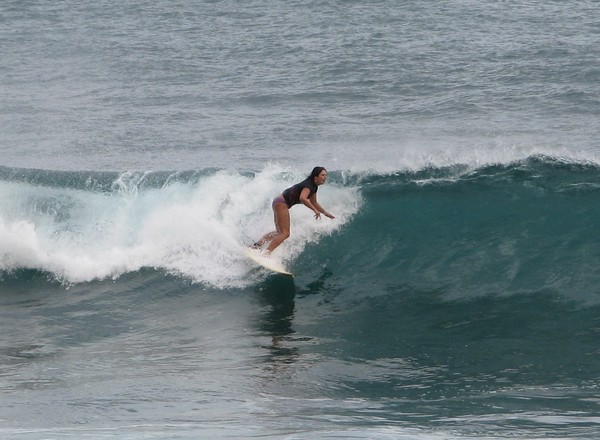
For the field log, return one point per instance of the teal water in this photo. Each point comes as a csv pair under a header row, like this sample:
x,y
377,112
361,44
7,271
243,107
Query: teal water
x,y
455,295
453,302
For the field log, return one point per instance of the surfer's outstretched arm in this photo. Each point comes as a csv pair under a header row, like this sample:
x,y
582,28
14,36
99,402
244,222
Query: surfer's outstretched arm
x,y
308,200
320,208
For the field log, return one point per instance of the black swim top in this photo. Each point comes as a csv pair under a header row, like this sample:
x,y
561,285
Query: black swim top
x,y
292,194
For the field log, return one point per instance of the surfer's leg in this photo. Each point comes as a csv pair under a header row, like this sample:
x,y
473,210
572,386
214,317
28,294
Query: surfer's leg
x,y
265,238
277,201
282,225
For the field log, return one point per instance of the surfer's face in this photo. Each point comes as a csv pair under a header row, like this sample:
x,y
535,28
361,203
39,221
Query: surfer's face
x,y
321,178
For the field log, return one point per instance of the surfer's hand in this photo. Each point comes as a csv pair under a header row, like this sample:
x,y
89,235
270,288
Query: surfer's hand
x,y
328,214
317,215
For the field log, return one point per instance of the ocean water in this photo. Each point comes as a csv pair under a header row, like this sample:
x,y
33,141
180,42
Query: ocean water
x,y
455,296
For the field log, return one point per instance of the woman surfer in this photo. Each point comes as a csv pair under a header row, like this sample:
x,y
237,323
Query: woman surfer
x,y
304,192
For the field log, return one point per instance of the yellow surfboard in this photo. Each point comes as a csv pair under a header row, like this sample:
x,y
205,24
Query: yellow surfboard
x,y
266,262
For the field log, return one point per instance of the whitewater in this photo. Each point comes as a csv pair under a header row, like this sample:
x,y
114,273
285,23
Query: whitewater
x,y
193,225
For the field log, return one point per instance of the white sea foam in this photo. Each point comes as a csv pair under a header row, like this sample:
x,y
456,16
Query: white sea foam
x,y
189,229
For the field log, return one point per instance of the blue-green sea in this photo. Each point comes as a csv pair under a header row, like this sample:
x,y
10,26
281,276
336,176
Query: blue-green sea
x,y
456,295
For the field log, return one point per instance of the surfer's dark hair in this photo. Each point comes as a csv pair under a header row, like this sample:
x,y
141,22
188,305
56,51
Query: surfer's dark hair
x,y
315,172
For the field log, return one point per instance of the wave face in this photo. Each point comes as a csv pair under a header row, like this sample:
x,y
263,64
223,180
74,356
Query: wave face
x,y
526,226
523,227
451,299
